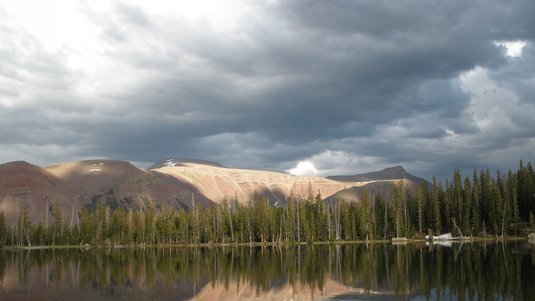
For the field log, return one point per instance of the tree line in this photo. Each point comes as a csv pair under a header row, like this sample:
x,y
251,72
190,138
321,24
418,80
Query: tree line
x,y
481,204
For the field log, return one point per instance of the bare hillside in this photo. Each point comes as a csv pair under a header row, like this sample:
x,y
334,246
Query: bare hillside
x,y
217,183
172,182
23,185
121,184
377,183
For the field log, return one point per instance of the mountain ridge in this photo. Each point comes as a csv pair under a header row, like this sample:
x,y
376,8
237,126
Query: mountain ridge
x,y
177,183
121,184
389,173
379,183
172,161
28,186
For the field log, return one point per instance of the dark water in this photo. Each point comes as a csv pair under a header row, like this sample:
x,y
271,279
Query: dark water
x,y
490,271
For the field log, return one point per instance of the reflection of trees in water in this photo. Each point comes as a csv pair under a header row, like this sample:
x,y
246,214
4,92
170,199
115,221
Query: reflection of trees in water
x,y
485,271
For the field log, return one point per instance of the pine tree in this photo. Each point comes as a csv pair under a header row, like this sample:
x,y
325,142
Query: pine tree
x,y
138,227
303,221
248,219
130,227
488,202
437,216
420,209
499,214
24,228
3,229
365,215
458,197
346,221
397,202
512,185
149,227
526,190
337,218
194,224
476,202
227,220
86,226
466,207
57,224
448,210
373,220
39,235
261,216
290,219
182,226
320,224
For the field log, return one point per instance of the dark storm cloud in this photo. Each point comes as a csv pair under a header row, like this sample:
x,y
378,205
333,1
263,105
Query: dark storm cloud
x,y
362,84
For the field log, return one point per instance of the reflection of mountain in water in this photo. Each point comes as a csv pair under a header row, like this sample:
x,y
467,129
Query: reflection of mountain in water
x,y
234,291
343,272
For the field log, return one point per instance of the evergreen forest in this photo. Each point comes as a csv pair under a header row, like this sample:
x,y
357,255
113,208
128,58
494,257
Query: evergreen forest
x,y
481,204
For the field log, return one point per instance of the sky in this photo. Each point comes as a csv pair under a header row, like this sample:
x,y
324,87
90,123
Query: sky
x,y
305,87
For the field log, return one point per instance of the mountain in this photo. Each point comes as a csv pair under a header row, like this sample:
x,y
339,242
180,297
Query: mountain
x,y
376,183
176,183
391,173
217,183
23,185
121,184
381,188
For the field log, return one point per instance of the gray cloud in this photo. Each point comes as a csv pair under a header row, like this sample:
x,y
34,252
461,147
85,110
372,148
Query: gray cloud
x,y
362,84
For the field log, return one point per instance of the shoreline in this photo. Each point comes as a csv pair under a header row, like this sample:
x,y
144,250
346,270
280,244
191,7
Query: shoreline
x,y
265,244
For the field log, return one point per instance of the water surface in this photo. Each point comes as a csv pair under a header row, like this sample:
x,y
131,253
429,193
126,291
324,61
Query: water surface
x,y
473,271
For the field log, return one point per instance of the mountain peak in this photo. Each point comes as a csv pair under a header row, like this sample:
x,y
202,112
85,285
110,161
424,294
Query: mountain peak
x,y
397,168
396,172
19,166
389,173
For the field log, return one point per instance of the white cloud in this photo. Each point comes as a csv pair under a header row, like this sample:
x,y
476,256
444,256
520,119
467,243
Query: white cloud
x,y
57,24
336,162
492,103
513,48
303,168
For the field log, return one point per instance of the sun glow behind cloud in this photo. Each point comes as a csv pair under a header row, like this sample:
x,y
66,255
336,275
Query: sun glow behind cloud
x,y
57,24
220,15
513,48
92,38
303,168
61,22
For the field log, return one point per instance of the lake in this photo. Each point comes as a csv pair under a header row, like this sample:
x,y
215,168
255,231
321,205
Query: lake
x,y
417,271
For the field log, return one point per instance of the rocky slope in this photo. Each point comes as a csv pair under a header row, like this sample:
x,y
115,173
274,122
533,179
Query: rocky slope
x,y
23,185
217,183
173,182
121,184
377,183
